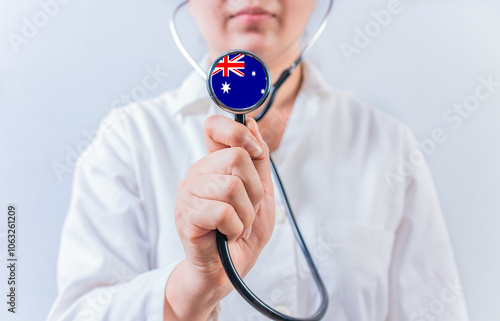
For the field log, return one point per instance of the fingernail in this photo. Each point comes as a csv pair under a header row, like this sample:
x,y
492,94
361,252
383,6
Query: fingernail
x,y
253,147
246,233
258,132
252,124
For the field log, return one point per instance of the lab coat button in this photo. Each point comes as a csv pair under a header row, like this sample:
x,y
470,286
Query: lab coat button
x,y
280,214
283,309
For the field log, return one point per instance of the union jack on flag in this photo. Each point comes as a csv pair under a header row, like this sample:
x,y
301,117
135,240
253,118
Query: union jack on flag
x,y
225,65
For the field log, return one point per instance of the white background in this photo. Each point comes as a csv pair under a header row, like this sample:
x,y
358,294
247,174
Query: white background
x,y
58,85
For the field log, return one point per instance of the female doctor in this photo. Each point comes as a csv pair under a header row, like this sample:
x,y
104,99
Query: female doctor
x,y
162,175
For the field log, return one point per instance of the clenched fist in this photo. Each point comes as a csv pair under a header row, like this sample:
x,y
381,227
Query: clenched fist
x,y
229,190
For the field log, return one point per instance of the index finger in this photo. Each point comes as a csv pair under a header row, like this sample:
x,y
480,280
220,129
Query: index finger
x,y
222,132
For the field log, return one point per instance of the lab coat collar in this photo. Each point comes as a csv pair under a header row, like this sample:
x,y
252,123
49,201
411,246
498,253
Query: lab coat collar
x,y
193,91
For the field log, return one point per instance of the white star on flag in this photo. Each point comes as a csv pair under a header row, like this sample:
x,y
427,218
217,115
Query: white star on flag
x,y
225,87
253,73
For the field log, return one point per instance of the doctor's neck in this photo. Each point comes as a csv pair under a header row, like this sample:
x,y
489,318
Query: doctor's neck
x,y
288,92
272,125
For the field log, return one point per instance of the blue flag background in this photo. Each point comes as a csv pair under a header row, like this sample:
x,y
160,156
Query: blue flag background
x,y
241,92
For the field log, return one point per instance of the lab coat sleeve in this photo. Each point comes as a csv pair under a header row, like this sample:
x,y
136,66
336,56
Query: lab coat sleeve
x,y
105,268
424,280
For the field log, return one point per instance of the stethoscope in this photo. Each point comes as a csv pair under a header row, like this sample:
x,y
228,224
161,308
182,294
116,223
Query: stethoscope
x,y
231,62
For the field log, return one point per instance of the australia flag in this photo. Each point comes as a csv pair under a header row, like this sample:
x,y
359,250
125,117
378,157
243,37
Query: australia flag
x,y
239,81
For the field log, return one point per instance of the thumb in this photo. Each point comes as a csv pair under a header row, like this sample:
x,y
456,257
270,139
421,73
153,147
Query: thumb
x,y
262,163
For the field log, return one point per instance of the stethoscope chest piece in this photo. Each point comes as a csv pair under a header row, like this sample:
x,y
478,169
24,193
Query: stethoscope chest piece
x,y
239,81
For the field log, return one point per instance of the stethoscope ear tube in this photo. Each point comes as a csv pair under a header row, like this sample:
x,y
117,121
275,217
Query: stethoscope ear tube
x,y
242,288
274,89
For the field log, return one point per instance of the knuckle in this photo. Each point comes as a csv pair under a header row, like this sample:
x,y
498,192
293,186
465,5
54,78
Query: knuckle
x,y
223,214
209,124
179,211
238,135
238,157
182,185
193,169
234,186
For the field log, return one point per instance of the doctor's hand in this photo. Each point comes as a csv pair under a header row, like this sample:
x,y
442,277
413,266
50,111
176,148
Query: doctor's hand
x,y
229,190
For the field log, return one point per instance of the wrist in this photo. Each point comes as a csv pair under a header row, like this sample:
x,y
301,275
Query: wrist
x,y
190,295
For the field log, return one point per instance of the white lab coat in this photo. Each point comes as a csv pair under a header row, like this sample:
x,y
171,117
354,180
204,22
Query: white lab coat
x,y
371,220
